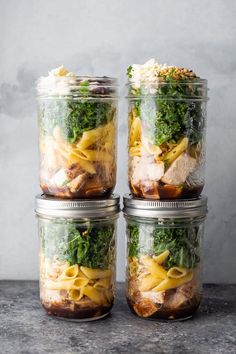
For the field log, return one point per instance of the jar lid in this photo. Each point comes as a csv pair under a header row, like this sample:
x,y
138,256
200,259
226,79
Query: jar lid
x,y
178,208
77,208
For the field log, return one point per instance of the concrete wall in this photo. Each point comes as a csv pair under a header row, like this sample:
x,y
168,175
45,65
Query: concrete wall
x,y
103,38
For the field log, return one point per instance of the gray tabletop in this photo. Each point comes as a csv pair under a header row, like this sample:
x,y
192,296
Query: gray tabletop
x,y
26,329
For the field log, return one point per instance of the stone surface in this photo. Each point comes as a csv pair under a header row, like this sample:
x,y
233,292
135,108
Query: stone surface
x,y
26,329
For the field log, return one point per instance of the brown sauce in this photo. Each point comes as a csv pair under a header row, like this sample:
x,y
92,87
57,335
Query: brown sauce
x,y
82,193
164,191
165,313
78,312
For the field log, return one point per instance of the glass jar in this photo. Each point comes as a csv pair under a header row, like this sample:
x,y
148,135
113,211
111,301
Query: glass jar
x,y
164,256
167,139
77,256
77,136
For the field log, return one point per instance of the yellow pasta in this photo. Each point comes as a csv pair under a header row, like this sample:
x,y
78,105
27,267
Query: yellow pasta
x,y
59,285
103,283
162,257
80,282
96,273
177,272
135,131
75,295
135,150
90,137
152,267
96,155
170,283
70,272
87,166
95,295
148,282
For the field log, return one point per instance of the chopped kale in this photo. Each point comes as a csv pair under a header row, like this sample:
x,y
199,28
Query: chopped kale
x,y
182,242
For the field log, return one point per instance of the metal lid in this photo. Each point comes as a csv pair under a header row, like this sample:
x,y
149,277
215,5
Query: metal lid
x,y
77,208
178,208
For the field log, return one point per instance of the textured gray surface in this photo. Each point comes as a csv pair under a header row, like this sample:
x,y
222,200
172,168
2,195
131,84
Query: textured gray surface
x,y
104,37
26,329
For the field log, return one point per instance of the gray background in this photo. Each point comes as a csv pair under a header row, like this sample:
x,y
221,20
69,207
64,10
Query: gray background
x,y
103,38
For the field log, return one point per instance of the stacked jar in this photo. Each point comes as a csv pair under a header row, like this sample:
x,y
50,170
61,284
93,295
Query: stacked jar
x,y
77,212
165,212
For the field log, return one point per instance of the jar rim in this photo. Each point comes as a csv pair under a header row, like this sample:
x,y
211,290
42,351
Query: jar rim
x,y
76,208
177,208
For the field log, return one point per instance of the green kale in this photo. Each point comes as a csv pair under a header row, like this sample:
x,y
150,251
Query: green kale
x,y
88,246
129,71
73,116
183,243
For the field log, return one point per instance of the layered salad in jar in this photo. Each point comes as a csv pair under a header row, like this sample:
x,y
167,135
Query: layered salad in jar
x,y
167,117
77,268
163,271
77,127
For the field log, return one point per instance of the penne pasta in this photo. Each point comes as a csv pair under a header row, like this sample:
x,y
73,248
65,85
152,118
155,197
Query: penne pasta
x,y
177,272
162,257
96,273
95,295
75,295
152,267
103,283
80,282
70,272
170,283
59,285
148,282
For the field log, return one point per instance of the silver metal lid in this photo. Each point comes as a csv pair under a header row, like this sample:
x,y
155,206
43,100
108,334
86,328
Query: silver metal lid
x,y
77,208
178,208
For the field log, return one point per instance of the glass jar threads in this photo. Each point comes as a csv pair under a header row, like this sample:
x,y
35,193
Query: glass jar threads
x,y
77,256
164,256
77,134
167,121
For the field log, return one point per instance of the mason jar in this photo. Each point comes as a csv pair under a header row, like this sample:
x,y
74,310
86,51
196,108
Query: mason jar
x,y
166,140
77,256
77,135
164,256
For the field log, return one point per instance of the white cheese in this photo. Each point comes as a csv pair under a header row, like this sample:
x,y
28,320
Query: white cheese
x,y
60,178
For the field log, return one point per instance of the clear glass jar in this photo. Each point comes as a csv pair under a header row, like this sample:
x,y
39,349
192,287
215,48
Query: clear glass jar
x,y
77,136
164,257
77,256
167,139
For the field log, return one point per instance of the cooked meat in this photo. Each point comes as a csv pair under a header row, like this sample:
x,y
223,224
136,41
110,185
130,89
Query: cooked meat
x,y
155,296
73,171
155,171
145,308
179,170
146,170
181,295
77,183
150,190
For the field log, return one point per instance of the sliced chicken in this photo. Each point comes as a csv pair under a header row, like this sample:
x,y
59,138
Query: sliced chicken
x,y
179,170
155,296
77,183
145,308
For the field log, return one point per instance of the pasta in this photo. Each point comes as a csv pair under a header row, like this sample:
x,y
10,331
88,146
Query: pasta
x,y
96,273
94,294
148,282
153,267
70,272
171,283
162,257
177,272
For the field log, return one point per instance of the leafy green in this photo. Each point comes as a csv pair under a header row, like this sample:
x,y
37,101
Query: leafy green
x,y
90,246
170,114
129,71
182,242
73,116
